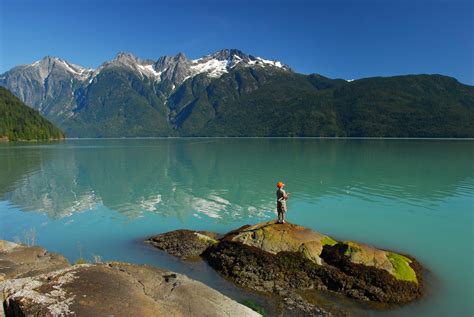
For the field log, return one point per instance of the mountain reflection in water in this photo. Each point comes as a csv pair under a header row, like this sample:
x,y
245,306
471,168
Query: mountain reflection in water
x,y
226,179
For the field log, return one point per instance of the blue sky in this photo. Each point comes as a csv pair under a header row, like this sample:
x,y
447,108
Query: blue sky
x,y
337,38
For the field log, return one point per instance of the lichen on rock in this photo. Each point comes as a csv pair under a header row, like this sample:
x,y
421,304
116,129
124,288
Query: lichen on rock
x,y
117,289
31,297
102,289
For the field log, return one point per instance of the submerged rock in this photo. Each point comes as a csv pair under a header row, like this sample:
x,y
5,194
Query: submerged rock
x,y
185,244
18,260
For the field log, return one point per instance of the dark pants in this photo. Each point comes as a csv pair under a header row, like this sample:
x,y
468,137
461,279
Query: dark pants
x,y
281,213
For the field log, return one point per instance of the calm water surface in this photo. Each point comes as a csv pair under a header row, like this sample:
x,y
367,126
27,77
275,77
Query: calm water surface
x,y
103,197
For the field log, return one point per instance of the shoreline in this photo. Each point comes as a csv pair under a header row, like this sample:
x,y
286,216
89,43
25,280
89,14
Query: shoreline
x,y
276,137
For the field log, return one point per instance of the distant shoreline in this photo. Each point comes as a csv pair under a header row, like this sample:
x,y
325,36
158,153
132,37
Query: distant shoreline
x,y
230,137
5,139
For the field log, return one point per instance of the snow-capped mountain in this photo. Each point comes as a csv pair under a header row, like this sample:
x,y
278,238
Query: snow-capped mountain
x,y
55,86
230,93
217,64
59,89
179,68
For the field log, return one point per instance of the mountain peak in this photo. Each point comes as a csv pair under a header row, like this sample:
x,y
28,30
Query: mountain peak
x,y
229,53
45,66
180,56
126,57
48,58
233,57
177,68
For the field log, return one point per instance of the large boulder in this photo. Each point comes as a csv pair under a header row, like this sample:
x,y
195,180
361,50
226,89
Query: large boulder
x,y
282,258
273,257
18,260
274,238
115,289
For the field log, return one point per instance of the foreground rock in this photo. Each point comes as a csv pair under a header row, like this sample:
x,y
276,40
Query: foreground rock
x,y
185,244
282,258
21,261
104,289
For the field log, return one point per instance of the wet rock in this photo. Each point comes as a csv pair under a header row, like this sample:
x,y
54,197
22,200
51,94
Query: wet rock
x,y
297,306
115,289
185,244
17,261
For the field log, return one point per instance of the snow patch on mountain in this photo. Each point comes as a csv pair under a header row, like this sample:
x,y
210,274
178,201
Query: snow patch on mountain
x,y
220,63
149,71
269,62
213,67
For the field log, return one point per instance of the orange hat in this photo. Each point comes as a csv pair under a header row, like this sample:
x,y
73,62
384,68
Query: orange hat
x,y
280,184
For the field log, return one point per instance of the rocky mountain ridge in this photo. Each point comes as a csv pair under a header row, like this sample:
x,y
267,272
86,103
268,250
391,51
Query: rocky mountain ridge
x,y
231,93
176,68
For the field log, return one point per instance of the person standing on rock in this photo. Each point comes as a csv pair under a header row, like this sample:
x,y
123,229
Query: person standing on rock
x,y
282,197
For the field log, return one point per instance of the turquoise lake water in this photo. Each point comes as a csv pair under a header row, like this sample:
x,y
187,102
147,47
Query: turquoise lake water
x,y
103,197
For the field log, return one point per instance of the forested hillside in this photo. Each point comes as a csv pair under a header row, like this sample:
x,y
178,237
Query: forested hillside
x,y
19,122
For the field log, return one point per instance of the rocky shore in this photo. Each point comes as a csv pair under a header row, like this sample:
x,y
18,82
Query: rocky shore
x,y
287,259
34,282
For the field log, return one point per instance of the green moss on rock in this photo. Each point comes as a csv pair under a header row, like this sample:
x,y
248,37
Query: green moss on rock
x,y
206,239
402,269
328,241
